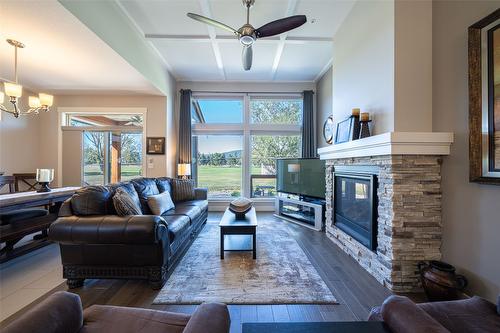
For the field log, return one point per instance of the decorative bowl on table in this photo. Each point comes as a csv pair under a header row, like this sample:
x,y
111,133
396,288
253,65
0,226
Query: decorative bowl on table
x,y
240,207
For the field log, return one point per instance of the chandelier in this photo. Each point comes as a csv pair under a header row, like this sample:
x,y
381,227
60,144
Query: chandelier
x,y
13,91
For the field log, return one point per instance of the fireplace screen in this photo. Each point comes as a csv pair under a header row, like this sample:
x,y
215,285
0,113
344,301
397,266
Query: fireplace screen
x,y
355,208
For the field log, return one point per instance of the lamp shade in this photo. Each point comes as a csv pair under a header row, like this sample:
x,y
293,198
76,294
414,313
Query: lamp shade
x,y
34,102
13,90
184,169
46,99
2,97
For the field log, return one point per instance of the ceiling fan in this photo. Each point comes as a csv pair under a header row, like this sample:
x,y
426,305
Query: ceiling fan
x,y
247,34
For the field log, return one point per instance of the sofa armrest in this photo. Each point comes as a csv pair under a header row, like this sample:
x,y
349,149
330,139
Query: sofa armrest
x,y
109,229
61,312
65,209
209,318
401,315
201,193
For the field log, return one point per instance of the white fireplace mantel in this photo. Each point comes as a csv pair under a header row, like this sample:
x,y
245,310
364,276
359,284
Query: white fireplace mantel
x,y
392,143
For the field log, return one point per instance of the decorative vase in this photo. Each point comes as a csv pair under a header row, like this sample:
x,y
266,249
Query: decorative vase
x,y
440,281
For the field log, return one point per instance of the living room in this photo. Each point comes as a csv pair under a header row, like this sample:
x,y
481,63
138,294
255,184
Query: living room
x,y
329,166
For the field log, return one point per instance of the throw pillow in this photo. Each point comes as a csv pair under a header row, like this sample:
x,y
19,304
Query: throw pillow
x,y
90,200
182,189
125,204
160,203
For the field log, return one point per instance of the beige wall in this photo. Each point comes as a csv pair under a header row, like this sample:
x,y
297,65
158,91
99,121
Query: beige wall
x,y
413,66
156,124
324,105
363,64
19,141
471,213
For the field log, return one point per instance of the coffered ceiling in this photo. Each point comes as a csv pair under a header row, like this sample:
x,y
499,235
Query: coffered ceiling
x,y
196,52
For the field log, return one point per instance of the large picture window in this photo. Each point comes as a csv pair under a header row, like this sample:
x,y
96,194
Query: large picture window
x,y
237,139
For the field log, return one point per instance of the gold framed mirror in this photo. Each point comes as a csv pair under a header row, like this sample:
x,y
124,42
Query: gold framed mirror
x,y
484,100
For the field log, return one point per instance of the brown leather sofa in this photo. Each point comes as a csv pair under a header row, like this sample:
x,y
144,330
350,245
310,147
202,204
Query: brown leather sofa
x,y
475,314
62,313
97,243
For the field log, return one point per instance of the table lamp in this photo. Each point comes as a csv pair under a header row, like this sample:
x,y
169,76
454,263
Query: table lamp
x,y
184,170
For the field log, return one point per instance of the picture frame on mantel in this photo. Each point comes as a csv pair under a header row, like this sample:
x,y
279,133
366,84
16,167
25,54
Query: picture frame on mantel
x,y
484,100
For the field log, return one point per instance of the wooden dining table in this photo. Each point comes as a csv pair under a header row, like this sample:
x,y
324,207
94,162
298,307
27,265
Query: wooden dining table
x,y
11,234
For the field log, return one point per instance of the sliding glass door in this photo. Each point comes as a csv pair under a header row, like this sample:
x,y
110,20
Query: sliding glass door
x,y
111,156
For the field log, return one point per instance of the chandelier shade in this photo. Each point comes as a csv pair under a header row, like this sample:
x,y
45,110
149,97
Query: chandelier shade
x,y
14,91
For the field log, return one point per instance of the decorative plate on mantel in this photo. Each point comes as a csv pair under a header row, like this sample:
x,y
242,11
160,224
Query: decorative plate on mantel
x,y
328,130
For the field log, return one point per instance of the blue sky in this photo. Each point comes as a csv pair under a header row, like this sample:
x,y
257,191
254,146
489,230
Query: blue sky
x,y
222,111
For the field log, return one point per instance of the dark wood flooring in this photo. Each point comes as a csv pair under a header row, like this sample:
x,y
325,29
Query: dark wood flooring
x,y
356,290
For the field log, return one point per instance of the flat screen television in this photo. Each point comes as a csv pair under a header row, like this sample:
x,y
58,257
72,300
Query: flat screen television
x,y
301,176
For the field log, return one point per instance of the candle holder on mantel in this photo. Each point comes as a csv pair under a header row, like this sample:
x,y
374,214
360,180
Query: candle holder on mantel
x,y
44,177
364,123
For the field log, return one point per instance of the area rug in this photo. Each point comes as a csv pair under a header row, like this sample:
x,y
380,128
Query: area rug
x,y
282,273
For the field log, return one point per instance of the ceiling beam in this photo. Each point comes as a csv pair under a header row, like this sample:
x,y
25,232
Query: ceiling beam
x,y
205,9
292,6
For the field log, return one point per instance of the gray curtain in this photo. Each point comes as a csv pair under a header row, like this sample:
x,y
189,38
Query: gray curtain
x,y
308,140
185,126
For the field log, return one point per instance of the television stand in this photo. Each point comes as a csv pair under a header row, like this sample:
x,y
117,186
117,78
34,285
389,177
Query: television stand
x,y
306,213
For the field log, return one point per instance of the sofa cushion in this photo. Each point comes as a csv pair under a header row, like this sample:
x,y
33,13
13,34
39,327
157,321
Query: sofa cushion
x,y
125,204
181,209
112,187
177,224
145,187
470,315
201,204
101,318
90,200
182,190
163,184
160,203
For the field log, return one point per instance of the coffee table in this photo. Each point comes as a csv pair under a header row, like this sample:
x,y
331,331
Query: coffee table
x,y
230,225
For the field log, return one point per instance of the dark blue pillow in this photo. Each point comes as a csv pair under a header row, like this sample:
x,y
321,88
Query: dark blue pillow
x,y
145,187
90,200
163,184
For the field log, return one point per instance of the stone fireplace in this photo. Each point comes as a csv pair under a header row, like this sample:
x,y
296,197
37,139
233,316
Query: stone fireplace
x,y
408,203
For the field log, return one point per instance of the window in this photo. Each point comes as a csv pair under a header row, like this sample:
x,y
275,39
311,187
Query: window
x,y
102,120
237,139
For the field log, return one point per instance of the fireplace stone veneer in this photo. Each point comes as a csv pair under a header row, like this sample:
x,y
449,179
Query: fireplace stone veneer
x,y
409,217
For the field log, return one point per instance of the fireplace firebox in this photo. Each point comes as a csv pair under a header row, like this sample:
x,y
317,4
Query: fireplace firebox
x,y
355,205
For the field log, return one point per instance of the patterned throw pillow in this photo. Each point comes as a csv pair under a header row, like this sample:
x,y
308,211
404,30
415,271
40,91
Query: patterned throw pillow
x,y
125,204
160,203
182,189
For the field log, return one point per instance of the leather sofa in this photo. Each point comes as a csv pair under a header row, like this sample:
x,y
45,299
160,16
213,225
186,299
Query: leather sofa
x,y
97,243
475,314
62,312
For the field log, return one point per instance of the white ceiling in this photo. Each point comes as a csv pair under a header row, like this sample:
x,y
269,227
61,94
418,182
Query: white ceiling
x,y
197,52
62,55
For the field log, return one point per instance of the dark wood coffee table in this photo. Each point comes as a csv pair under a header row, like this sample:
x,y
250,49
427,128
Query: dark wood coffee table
x,y
230,225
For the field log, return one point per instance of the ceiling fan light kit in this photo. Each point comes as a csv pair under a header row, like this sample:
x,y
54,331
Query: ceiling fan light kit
x,y
14,91
247,34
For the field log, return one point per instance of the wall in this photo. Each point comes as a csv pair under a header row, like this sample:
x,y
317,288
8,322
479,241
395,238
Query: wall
x,y
156,124
363,64
470,211
19,141
323,105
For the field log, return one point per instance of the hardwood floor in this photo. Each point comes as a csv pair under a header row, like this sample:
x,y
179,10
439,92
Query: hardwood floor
x,y
356,290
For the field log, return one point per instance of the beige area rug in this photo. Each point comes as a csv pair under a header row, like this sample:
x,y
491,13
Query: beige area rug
x,y
282,273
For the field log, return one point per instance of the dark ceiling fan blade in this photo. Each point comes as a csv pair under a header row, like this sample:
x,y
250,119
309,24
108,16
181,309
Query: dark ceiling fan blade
x,y
246,57
279,26
214,23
